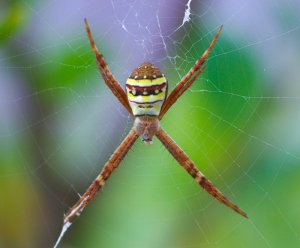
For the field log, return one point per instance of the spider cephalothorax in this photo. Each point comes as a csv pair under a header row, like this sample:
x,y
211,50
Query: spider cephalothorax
x,y
146,100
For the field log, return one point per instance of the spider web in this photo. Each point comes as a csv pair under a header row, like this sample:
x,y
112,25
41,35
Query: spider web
x,y
239,122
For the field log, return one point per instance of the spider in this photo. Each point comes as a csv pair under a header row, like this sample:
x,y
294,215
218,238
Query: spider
x,y
145,98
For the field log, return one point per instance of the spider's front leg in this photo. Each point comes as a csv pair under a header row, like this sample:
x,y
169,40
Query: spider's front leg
x,y
190,167
107,170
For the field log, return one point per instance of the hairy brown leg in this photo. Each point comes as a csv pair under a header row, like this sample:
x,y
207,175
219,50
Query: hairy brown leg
x,y
107,170
197,68
190,167
108,77
179,93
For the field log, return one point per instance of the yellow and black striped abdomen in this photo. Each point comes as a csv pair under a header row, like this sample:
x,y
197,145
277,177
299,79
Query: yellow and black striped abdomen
x,y
146,90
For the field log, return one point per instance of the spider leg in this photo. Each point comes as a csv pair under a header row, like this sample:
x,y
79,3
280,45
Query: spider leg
x,y
107,170
190,167
108,77
188,79
179,92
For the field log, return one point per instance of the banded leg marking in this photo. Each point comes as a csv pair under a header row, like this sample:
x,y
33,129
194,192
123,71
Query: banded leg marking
x,y
185,81
107,170
108,77
190,167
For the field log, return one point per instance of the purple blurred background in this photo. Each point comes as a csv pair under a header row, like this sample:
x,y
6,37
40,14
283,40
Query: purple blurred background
x,y
239,123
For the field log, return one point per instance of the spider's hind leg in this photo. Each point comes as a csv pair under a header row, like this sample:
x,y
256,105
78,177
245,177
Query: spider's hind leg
x,y
189,78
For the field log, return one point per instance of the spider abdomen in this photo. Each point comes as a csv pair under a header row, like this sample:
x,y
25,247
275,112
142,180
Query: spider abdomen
x,y
146,90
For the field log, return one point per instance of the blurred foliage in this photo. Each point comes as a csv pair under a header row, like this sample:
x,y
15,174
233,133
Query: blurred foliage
x,y
150,201
12,16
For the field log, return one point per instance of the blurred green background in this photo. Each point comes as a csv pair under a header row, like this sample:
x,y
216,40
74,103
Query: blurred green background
x,y
239,122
